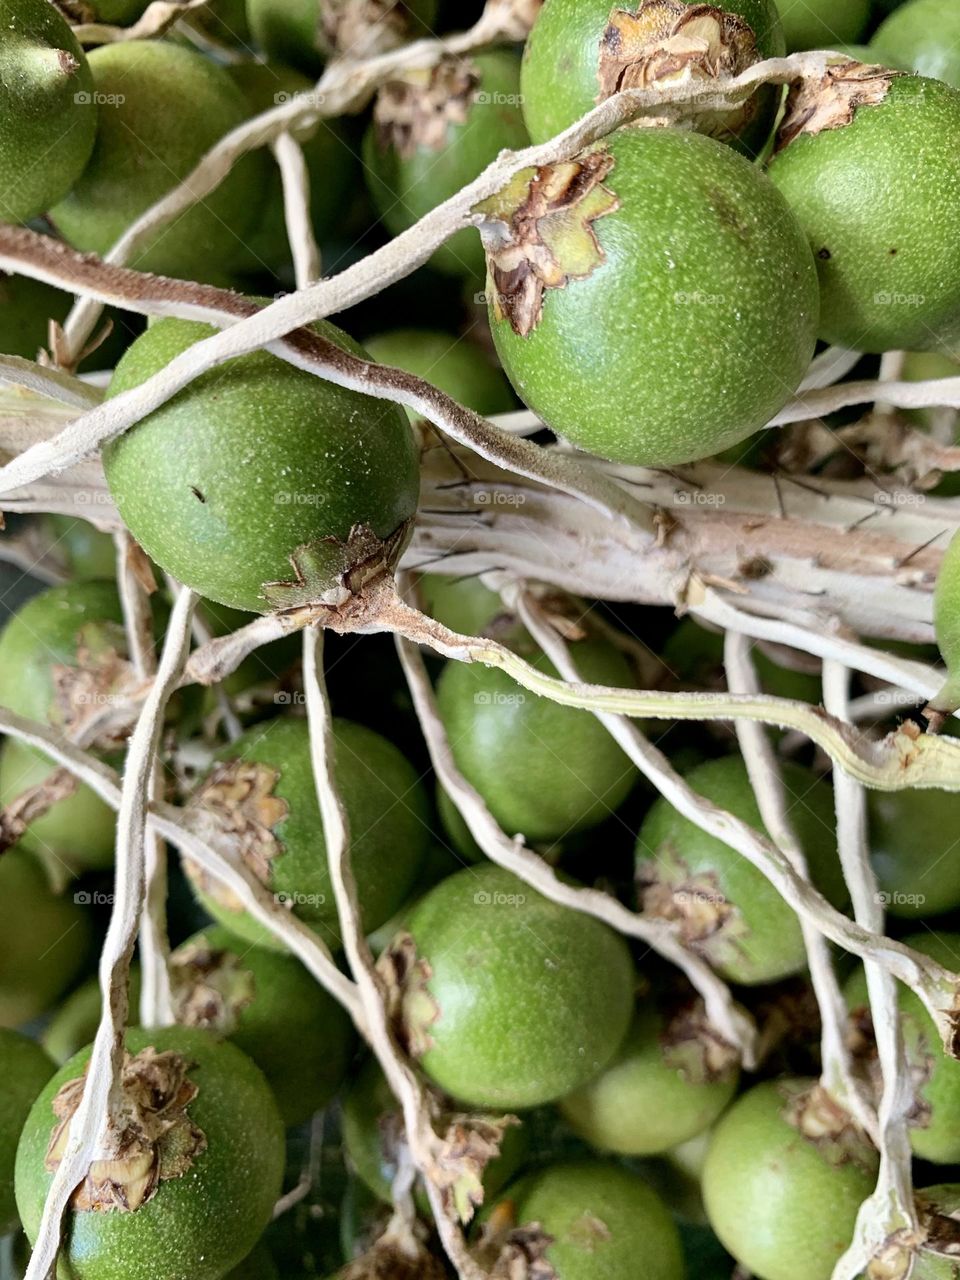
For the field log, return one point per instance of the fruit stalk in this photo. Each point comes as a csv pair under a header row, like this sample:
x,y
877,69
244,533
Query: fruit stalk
x,y
296,208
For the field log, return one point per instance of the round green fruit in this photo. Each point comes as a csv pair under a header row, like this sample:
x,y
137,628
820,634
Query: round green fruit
x,y
912,848
580,52
304,33
923,366
588,1219
684,310
543,770
269,1006
194,1205
263,791
259,479
48,118
874,187
87,552
74,1024
162,107
455,365
432,133
923,36
670,1080
25,1069
785,1175
726,909
822,24
455,828
946,622
464,605
694,654
511,1000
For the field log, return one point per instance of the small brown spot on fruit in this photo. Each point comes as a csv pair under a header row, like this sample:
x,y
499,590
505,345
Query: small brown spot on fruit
x,y
197,494
824,254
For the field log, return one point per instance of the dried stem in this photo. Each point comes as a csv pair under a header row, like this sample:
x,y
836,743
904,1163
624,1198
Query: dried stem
x,y
296,208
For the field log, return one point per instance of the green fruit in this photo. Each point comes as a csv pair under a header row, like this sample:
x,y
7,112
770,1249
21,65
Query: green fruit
x,y
703,272
595,1221
669,1082
935,1119
455,365
219,1177
25,1069
304,33
939,1210
912,848
87,551
47,114
74,1024
693,654
514,1000
543,770
256,1266
455,828
162,107
432,133
923,36
922,366
257,462
726,909
822,24
875,195
46,940
946,622
582,51
263,789
785,1204
269,1006
464,605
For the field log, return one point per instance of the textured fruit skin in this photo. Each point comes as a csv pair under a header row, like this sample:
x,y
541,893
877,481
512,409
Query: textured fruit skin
x,y
175,106
642,1104
296,1033
935,1131
695,328
923,36
287,30
46,130
25,1069
605,1222
946,622
821,24
456,366
776,1203
761,941
74,1024
405,189
533,998
559,80
279,457
543,770
387,810
198,1225
888,180
912,848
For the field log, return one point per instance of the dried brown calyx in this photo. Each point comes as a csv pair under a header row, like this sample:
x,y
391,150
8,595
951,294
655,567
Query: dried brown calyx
x,y
32,804
668,42
397,1255
708,922
941,1224
94,698
411,1006
538,233
509,1251
152,1138
923,1057
210,987
819,1119
692,1046
362,28
333,574
832,101
468,1145
417,109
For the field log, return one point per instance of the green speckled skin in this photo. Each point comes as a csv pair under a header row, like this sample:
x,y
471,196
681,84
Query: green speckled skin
x,y
176,105
561,56
387,809
24,1069
913,841
297,1034
923,36
606,1223
534,999
761,941
822,24
280,458
456,366
934,1136
777,1205
404,189
697,326
946,619
877,201
47,115
543,770
289,30
197,1226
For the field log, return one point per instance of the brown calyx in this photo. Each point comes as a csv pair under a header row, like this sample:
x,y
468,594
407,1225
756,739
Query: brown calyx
x,y
832,101
692,1046
152,1139
822,1121
362,28
468,1145
942,1230
336,575
511,1252
862,1044
418,108
32,804
210,987
538,233
708,922
411,1006
94,698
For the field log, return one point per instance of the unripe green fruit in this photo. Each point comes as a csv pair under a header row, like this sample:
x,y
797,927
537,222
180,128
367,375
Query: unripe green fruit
x,y
726,909
923,36
694,654
254,463
304,33
669,1081
269,1006
25,1069
214,1196
923,366
455,365
580,52
455,828
47,114
875,190
462,604
74,1024
782,1203
162,108
912,849
822,24
88,552
492,954
946,622
432,133
264,790
256,1266
543,770
601,1221
684,309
